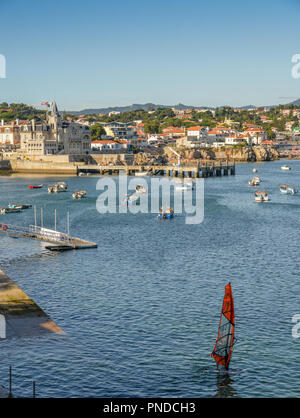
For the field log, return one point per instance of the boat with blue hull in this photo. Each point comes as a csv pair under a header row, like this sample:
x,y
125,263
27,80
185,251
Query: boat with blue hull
x,y
166,214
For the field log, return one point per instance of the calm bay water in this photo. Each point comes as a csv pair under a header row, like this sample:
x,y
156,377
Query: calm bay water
x,y
141,312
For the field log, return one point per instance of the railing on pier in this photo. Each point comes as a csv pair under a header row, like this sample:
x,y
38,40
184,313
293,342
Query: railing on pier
x,y
37,232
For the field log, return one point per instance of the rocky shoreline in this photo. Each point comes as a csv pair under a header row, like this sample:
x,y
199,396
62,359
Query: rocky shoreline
x,y
237,154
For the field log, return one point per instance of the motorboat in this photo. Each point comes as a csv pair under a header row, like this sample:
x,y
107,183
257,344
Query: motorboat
x,y
286,167
142,173
140,189
79,194
255,170
39,186
58,188
166,214
62,187
255,181
187,184
13,206
284,188
261,196
3,211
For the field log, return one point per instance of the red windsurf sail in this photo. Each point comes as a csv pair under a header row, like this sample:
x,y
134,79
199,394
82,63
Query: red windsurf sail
x,y
224,343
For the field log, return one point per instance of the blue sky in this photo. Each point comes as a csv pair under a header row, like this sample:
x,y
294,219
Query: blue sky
x,y
98,53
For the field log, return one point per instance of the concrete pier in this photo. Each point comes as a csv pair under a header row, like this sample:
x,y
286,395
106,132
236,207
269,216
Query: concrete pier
x,y
200,170
23,317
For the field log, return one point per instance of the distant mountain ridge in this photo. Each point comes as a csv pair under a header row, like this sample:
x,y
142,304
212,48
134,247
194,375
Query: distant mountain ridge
x,y
147,106
135,106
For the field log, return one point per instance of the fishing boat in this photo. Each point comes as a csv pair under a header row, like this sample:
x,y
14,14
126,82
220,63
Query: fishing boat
x,y
79,194
287,189
39,186
286,167
224,344
140,189
130,200
3,211
166,214
255,181
261,196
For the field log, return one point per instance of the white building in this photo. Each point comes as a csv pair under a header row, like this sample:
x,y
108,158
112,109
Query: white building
x,y
107,145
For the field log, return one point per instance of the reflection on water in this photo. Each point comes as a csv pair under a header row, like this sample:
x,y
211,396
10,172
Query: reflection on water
x,y
224,385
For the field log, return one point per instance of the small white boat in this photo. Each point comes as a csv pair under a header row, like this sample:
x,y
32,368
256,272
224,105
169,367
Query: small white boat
x,y
255,181
58,188
261,196
142,173
255,170
286,167
3,211
285,189
182,185
79,194
166,214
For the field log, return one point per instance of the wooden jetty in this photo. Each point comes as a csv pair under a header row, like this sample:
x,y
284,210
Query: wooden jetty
x,y
200,170
62,240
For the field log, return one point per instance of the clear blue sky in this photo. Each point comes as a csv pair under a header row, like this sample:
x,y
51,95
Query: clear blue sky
x,y
96,53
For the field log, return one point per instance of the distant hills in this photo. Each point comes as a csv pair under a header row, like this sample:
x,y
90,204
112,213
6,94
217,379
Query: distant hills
x,y
296,102
149,106
136,106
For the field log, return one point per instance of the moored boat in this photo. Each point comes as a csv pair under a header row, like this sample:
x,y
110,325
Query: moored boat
x,y
261,196
142,173
166,213
255,170
32,186
140,189
79,194
183,185
255,181
286,167
284,188
4,211
13,206
58,188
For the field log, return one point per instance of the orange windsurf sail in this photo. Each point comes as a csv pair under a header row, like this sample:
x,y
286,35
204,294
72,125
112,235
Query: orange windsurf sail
x,y
224,343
